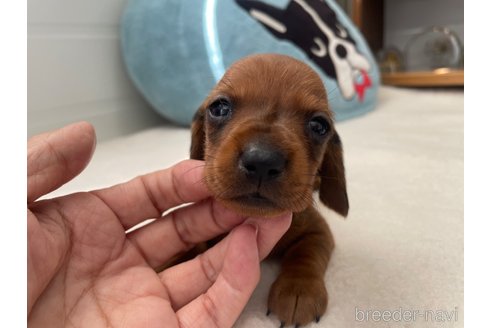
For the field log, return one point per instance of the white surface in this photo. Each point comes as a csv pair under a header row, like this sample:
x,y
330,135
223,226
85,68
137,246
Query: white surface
x,y
75,69
401,246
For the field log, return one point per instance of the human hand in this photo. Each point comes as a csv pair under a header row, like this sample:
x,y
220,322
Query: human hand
x,y
85,270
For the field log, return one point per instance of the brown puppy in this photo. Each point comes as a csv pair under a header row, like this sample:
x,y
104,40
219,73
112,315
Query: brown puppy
x,y
266,134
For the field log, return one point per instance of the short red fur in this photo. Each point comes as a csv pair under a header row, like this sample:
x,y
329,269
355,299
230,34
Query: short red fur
x,y
272,99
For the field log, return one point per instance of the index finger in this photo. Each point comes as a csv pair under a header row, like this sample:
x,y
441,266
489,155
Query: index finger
x,y
148,196
56,157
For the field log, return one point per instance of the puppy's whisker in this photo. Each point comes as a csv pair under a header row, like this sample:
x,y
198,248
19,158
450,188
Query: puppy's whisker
x,y
329,177
302,185
202,180
193,168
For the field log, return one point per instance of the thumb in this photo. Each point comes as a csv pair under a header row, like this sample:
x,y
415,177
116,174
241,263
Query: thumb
x,y
224,301
54,158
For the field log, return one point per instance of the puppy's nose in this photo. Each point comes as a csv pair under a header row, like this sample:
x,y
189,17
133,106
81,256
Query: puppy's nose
x,y
262,162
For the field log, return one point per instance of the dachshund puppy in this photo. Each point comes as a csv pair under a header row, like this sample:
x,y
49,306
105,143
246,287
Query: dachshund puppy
x,y
267,137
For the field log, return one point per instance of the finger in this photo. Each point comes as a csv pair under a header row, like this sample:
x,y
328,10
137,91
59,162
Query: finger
x,y
148,196
225,299
56,157
188,280
182,228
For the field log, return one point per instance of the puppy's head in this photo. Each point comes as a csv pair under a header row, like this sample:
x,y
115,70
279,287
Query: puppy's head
x,y
266,134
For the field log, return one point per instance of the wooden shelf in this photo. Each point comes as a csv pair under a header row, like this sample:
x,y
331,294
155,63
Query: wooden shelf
x,y
438,78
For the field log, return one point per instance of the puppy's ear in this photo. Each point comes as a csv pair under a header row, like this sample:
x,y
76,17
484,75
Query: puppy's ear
x,y
197,149
333,191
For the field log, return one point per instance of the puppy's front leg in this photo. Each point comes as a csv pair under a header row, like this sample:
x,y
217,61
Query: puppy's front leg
x,y
299,295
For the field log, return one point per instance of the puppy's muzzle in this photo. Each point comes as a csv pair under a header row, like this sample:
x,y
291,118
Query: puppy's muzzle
x,y
261,163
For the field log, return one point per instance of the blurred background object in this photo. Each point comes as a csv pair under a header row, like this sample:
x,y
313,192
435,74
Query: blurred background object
x,y
418,43
436,47
75,68
176,51
390,60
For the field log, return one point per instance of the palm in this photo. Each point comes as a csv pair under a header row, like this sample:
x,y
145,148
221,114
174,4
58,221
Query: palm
x,y
105,275
84,270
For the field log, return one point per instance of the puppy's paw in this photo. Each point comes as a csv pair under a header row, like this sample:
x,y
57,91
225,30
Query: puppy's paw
x,y
298,300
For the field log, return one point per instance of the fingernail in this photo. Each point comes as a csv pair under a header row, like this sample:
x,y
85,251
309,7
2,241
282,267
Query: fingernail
x,y
252,222
255,226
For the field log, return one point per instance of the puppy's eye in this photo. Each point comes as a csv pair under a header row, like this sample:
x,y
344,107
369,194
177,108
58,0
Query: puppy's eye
x,y
319,126
220,108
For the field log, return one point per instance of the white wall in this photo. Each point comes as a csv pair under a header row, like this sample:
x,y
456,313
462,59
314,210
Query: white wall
x,y
405,18
75,69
